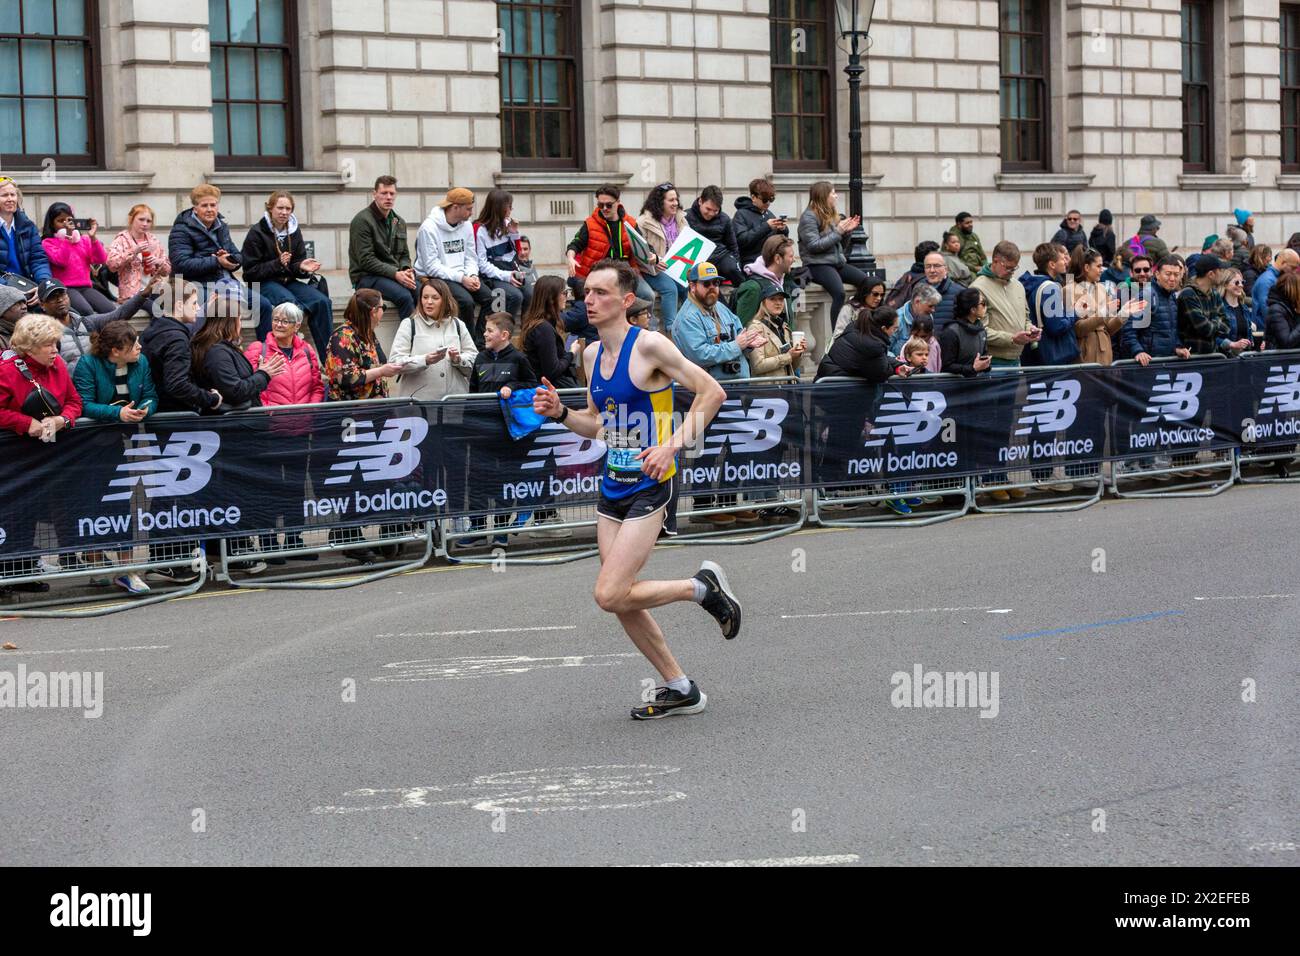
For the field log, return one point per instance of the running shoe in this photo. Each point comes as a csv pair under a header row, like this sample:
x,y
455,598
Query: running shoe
x,y
898,506
668,702
182,575
719,601
914,502
131,584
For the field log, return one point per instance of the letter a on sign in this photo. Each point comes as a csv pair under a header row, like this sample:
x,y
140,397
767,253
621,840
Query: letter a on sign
x,y
689,249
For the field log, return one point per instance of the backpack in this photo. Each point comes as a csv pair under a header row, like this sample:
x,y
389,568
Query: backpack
x,y
1137,246
901,293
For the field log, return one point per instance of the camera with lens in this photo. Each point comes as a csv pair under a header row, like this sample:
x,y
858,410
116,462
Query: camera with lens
x,y
731,368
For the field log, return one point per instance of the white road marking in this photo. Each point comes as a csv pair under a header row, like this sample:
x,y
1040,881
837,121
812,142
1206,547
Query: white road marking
x,y
913,610
1243,597
463,668
88,650
1001,610
609,787
492,630
836,859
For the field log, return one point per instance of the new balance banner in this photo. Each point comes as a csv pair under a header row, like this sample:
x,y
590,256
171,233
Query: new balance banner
x,y
186,478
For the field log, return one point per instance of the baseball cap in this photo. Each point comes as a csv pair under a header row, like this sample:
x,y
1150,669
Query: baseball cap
x,y
702,272
460,196
50,287
1206,263
769,289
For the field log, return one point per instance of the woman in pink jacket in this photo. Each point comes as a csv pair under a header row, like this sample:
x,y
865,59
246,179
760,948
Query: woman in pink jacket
x,y
301,383
136,254
71,255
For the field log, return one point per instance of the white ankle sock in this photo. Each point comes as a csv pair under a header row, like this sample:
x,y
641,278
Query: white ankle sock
x,y
701,589
680,684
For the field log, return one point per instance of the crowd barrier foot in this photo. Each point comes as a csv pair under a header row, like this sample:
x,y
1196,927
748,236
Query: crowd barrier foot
x,y
1269,460
70,606
331,578
1040,498
825,507
742,534
1182,483
515,551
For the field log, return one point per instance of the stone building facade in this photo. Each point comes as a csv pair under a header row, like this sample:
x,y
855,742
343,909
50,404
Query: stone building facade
x,y
681,90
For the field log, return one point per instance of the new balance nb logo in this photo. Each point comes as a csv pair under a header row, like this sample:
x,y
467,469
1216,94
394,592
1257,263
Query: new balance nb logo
x,y
911,421
1282,393
179,467
567,447
753,429
1174,398
388,455
1050,410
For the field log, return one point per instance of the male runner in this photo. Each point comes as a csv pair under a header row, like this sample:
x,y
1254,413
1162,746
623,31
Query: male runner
x,y
629,407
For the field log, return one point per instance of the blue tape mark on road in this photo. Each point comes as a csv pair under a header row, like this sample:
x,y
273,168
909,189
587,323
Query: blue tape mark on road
x,y
1075,628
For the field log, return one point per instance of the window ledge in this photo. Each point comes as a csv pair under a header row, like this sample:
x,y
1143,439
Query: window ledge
x,y
557,180
77,182
799,182
1288,181
1212,181
1042,182
267,180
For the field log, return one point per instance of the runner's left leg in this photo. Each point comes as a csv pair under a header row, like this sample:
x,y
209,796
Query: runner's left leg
x,y
624,550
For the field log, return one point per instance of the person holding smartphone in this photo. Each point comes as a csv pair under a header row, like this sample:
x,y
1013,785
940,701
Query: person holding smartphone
x,y
73,250
433,347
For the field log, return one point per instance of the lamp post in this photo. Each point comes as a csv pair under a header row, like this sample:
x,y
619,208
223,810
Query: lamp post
x,y
854,18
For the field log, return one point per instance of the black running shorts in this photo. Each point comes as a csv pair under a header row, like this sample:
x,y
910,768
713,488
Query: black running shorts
x,y
658,500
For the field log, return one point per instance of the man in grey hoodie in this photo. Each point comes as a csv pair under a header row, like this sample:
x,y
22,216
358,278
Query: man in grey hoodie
x,y
444,249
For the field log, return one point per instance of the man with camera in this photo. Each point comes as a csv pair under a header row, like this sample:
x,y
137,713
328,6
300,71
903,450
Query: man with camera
x,y
711,336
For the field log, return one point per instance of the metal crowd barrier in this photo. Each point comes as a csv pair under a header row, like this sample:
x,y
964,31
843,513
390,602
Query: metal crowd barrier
x,y
847,506
1184,482
1039,495
1273,455
324,539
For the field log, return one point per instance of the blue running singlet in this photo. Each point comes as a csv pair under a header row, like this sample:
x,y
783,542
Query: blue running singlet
x,y
634,420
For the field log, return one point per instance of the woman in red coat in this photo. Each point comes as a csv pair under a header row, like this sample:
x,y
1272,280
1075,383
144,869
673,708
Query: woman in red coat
x,y
36,362
301,383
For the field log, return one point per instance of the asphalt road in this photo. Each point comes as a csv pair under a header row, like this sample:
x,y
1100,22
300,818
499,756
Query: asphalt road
x,y
490,720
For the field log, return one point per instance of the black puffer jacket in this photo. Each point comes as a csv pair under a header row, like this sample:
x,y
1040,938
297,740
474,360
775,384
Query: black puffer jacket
x,y
1103,240
751,229
192,247
719,230
1070,237
1282,329
227,370
960,343
854,355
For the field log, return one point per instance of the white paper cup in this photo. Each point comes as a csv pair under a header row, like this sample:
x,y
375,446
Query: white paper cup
x,y
797,338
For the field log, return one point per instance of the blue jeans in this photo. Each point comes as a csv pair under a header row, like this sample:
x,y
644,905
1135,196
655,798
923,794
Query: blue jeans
x,y
393,291
316,305
669,298
229,285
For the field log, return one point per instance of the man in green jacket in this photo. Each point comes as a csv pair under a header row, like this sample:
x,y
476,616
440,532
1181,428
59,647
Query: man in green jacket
x,y
972,250
378,257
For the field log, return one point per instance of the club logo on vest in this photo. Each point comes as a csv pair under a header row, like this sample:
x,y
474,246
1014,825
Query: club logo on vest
x,y
385,455
908,421
1174,398
177,467
1050,409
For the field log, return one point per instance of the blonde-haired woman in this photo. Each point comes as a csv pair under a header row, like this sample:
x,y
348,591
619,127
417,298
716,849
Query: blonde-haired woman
x,y
1239,310
275,256
136,255
823,235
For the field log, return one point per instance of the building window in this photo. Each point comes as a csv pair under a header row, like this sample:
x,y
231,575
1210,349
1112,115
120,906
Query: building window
x,y
540,115
803,83
1291,88
254,54
47,73
1198,83
1024,94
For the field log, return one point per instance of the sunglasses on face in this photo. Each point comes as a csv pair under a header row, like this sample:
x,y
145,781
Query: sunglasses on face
x,y
1141,272
708,283
606,205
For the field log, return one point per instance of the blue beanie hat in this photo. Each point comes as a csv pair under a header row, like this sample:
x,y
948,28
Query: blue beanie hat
x,y
1242,215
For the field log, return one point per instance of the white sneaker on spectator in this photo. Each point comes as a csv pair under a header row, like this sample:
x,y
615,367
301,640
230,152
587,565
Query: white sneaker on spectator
x,y
131,584
1061,486
253,567
542,529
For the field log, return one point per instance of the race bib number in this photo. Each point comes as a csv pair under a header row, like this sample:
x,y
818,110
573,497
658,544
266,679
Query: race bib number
x,y
622,466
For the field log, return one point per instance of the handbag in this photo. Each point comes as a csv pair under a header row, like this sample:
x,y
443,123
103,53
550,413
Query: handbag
x,y
23,284
40,403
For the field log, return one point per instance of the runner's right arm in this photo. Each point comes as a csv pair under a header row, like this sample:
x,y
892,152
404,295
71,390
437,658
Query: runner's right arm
x,y
546,402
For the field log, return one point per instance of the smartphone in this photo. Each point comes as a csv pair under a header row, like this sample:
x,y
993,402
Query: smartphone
x,y
785,348
144,406
81,225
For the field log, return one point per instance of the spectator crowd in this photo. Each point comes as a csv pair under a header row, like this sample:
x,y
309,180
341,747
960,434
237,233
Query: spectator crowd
x,y
474,315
